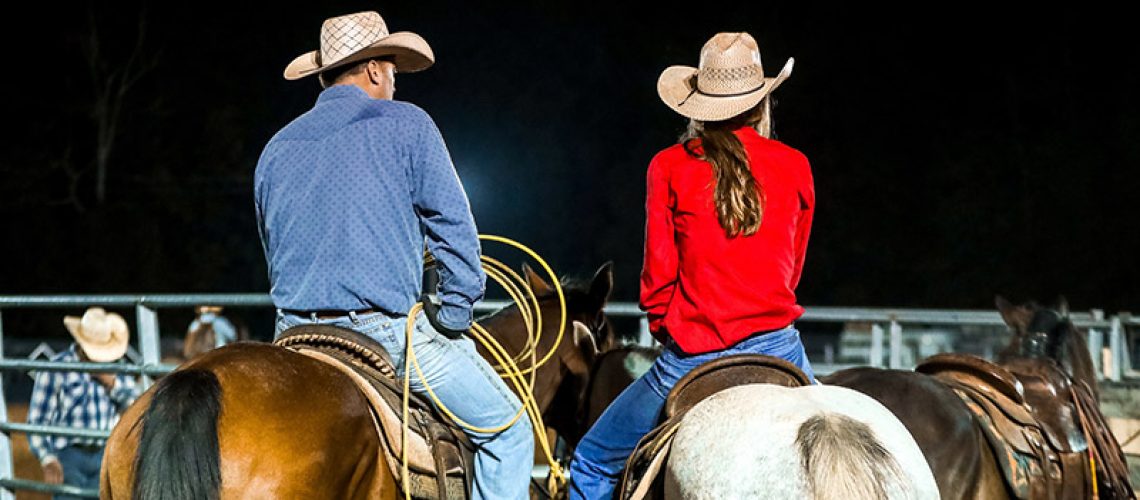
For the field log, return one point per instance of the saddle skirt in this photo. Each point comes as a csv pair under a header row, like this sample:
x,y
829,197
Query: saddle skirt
x,y
1031,415
439,454
642,477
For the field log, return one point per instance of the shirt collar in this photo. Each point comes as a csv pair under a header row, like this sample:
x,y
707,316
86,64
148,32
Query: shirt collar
x,y
747,133
341,92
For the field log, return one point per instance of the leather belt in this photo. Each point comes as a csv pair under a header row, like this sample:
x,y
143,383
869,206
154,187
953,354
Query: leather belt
x,y
328,313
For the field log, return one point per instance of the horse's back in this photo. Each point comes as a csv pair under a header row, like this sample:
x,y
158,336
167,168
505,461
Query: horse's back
x,y
935,417
297,425
758,431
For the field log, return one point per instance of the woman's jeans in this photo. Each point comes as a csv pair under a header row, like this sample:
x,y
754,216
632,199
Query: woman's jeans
x,y
466,384
601,455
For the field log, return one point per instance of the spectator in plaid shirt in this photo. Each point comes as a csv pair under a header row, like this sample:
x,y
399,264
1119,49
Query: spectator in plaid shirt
x,y
81,400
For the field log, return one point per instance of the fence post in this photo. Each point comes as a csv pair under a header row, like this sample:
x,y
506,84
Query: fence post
x,y
148,338
895,361
6,471
1096,351
1115,349
876,356
644,338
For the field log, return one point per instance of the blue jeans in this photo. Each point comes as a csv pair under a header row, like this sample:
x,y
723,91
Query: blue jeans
x,y
80,468
467,385
601,455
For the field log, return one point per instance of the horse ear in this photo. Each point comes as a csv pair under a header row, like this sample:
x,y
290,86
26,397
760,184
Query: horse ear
x,y
538,285
602,284
1063,306
1014,316
584,339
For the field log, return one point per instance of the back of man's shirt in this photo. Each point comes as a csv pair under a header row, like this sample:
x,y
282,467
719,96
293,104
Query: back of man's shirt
x,y
345,195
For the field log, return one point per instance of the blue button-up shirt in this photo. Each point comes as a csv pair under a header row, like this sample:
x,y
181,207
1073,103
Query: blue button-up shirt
x,y
346,195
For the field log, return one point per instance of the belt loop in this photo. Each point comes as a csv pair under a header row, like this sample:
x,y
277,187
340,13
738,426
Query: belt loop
x,y
352,314
313,317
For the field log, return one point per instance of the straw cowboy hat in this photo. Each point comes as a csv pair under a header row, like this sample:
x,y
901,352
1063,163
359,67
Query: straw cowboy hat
x,y
729,81
357,37
102,335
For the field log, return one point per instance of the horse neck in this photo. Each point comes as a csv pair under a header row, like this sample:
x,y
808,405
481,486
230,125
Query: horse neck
x,y
1072,358
1080,364
507,328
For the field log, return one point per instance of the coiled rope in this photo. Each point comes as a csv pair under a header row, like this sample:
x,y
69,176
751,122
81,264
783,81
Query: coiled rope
x,y
524,297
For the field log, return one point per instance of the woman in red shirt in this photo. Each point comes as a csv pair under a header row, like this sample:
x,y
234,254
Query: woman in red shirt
x,y
728,213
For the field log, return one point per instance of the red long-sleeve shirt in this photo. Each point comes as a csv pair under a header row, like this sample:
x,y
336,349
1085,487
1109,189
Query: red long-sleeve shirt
x,y
708,291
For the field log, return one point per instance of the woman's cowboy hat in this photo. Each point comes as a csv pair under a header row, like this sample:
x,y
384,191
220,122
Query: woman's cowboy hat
x,y
102,335
729,81
357,37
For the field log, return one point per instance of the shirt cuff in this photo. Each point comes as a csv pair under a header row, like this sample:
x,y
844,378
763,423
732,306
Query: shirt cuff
x,y
454,317
48,458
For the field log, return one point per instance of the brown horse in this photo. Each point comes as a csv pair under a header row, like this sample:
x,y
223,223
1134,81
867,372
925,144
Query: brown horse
x,y
614,370
948,433
253,420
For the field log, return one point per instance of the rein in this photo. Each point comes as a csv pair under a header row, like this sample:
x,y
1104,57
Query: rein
x,y
506,364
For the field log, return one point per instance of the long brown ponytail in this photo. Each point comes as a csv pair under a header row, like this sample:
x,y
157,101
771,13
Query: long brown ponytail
x,y
739,198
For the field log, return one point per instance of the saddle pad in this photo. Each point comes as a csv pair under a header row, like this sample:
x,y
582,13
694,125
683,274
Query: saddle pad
x,y
389,425
642,469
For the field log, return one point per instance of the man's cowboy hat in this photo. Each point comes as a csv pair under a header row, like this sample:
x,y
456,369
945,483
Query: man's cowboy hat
x,y
357,37
729,81
102,335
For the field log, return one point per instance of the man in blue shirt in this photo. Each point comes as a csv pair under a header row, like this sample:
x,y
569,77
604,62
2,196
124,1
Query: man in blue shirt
x,y
346,196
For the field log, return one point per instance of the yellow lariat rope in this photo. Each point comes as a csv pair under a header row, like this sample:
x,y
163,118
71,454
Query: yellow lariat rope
x,y
522,295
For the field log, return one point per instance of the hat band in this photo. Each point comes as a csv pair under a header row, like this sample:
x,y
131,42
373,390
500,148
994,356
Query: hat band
x,y
697,90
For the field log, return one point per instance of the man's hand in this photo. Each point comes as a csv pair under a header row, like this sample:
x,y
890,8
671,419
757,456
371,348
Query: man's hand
x,y
53,471
106,379
431,310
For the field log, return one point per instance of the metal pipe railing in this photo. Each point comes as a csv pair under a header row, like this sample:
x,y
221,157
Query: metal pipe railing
x,y
66,366
54,430
56,489
886,332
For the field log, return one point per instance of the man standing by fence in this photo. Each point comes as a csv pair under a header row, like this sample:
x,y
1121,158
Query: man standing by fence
x,y
78,400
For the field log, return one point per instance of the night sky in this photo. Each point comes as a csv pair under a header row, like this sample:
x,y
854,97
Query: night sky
x,y
958,151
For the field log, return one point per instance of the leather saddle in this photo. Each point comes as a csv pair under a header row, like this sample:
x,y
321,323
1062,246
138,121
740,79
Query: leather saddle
x,y
642,477
1032,416
439,454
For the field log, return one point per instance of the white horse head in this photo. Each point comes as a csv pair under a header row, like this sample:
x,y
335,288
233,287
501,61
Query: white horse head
x,y
815,442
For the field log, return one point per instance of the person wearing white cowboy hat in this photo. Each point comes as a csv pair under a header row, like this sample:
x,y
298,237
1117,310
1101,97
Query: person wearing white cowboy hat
x,y
81,400
346,196
728,214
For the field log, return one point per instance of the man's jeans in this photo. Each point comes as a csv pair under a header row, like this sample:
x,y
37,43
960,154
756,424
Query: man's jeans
x,y
80,467
601,455
466,384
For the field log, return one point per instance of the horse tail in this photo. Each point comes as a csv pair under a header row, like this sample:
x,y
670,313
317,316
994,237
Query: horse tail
x,y
178,455
842,458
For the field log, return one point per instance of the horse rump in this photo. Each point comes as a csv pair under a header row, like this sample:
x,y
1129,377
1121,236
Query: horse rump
x,y
178,456
842,459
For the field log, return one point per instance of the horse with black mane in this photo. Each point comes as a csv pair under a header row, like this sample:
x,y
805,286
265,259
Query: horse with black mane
x,y
253,420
